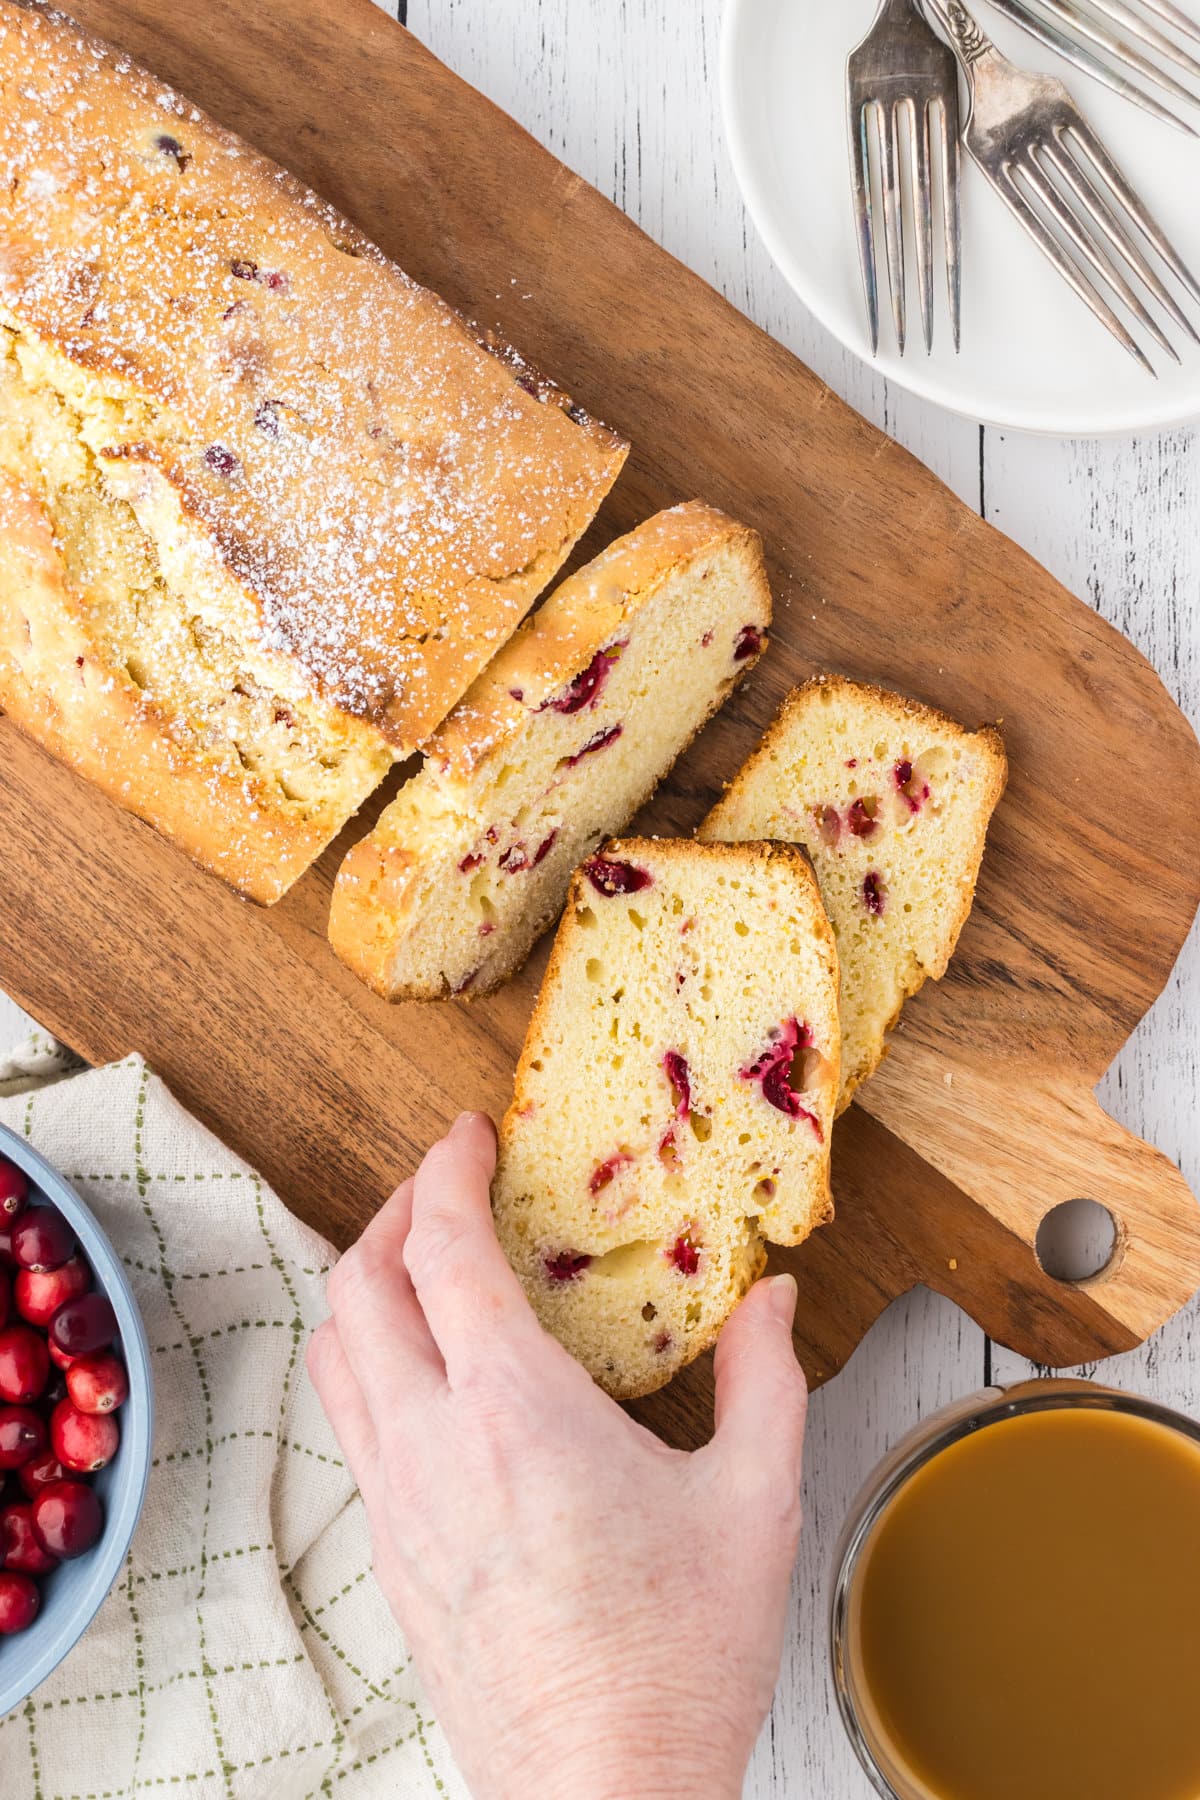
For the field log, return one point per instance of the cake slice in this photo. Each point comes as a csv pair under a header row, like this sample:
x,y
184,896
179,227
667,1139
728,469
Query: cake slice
x,y
554,748
892,801
673,1101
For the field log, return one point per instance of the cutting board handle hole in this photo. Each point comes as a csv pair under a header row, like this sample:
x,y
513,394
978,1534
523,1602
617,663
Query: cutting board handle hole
x,y
1078,1240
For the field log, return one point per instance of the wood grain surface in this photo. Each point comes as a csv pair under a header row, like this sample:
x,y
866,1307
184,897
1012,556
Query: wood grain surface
x,y
118,943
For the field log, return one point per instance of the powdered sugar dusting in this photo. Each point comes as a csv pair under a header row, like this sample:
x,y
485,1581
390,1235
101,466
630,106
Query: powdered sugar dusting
x,y
391,494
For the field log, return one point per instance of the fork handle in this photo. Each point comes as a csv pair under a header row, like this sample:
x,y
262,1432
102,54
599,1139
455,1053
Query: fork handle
x,y
966,35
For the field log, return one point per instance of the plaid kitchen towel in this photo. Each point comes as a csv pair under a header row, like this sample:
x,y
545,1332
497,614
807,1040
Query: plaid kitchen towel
x,y
245,1650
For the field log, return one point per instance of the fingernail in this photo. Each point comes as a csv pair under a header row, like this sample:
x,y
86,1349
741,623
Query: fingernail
x,y
468,1121
783,1297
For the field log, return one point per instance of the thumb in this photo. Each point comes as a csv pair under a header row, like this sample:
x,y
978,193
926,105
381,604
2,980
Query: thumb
x,y
761,1393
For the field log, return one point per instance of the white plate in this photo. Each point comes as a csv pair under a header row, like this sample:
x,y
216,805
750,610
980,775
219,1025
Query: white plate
x,y
1033,357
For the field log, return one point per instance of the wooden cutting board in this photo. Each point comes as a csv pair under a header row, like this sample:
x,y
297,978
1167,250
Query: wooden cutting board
x,y
983,1118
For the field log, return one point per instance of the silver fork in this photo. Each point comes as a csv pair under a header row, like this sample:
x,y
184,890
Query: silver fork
x,y
1085,36
1050,168
902,89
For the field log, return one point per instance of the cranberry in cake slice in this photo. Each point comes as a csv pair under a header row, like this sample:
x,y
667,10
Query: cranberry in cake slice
x,y
673,1102
892,801
555,747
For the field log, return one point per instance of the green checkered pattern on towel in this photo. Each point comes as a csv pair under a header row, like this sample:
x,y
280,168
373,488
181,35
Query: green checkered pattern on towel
x,y
245,1650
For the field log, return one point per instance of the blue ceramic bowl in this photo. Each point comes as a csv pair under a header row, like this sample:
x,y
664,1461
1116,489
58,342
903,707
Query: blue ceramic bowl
x,y
71,1596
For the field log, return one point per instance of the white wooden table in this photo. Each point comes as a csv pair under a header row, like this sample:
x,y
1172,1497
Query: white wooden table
x,y
626,94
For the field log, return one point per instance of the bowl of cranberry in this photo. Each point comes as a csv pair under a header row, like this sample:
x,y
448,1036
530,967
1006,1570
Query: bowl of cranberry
x,y
76,1418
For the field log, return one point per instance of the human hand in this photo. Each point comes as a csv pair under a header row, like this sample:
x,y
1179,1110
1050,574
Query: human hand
x,y
594,1616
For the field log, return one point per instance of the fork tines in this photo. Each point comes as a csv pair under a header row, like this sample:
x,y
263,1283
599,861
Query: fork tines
x,y
902,100
1081,31
1103,226
879,141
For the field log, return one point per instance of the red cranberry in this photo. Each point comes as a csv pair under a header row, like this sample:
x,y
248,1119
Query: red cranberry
x,y
98,1383
662,1343
606,1171
874,893
685,1252
266,417
470,862
14,1189
58,1357
668,1151
244,269
544,848
609,877
42,1239
514,860
85,1324
22,1435
679,1076
276,280
7,1259
19,1601
39,1471
24,1365
910,786
67,1518
5,1295
601,741
779,1067
83,1442
748,643
39,1293
861,818
585,687
566,1266
19,1546
221,459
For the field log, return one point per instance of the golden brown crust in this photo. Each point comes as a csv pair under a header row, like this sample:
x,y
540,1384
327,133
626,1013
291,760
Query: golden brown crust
x,y
386,876
390,495
583,614
986,739
635,850
383,880
900,706
57,686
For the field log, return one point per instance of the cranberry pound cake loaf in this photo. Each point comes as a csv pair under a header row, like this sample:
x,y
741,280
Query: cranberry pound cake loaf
x,y
673,1101
892,801
555,747
277,505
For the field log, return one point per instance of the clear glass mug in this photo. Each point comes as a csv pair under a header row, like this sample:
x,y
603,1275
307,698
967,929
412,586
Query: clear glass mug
x,y
933,1435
